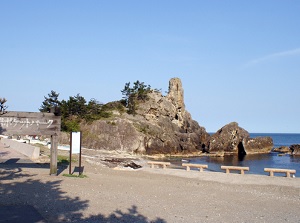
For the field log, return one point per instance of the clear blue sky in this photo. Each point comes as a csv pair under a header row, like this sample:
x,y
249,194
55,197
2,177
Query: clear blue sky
x,y
238,60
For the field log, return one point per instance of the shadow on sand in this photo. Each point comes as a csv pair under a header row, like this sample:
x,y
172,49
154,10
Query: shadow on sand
x,y
20,191
21,163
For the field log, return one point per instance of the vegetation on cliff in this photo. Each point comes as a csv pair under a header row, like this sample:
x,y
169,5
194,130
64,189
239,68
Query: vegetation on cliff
x,y
144,121
77,110
132,95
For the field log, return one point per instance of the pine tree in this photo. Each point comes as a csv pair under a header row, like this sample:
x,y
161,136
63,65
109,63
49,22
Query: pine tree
x,y
139,92
50,102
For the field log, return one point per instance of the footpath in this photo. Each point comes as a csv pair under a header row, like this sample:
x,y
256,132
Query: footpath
x,y
9,160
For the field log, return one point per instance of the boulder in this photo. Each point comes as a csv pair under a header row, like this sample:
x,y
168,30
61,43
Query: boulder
x,y
282,149
258,145
228,138
295,148
235,140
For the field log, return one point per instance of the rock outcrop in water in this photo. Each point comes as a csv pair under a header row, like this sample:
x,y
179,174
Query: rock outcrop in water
x,y
295,149
282,149
258,145
162,125
233,139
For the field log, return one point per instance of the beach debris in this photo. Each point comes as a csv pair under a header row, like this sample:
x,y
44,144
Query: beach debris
x,y
116,162
133,165
113,160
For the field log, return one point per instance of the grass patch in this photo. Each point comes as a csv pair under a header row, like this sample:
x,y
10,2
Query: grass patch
x,y
76,176
65,159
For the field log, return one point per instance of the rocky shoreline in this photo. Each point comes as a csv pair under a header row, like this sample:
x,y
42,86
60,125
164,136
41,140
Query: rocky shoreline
x,y
162,125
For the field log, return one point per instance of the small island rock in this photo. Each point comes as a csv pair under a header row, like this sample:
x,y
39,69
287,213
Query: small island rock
x,y
282,149
233,139
295,148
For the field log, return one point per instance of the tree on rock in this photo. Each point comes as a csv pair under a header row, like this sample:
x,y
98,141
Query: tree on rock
x,y
139,92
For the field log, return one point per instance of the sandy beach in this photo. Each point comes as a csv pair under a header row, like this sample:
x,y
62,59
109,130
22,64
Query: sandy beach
x,y
148,195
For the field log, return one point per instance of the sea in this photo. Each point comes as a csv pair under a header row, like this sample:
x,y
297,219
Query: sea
x,y
257,162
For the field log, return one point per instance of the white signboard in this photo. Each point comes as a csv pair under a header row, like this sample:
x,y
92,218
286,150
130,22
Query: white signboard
x,y
75,143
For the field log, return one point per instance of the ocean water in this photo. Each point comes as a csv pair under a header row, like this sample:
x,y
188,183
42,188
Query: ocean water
x,y
258,162
280,139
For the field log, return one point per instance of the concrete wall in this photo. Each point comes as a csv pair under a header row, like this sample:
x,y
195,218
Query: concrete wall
x,y
26,149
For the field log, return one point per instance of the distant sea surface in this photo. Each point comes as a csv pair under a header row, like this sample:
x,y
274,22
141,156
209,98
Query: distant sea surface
x,y
280,139
258,162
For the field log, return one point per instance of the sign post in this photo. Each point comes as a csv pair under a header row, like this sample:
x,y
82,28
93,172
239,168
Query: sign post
x,y
33,123
53,154
75,148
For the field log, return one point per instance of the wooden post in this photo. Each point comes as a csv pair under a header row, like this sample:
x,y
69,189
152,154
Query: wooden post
x,y
80,172
53,154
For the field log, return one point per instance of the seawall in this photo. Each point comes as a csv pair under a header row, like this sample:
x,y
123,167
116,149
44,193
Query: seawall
x,y
26,149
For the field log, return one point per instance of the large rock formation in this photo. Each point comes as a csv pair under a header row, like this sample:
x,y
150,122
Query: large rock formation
x,y
233,139
161,125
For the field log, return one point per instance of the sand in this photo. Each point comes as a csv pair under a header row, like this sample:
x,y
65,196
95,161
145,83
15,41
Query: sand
x,y
149,195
